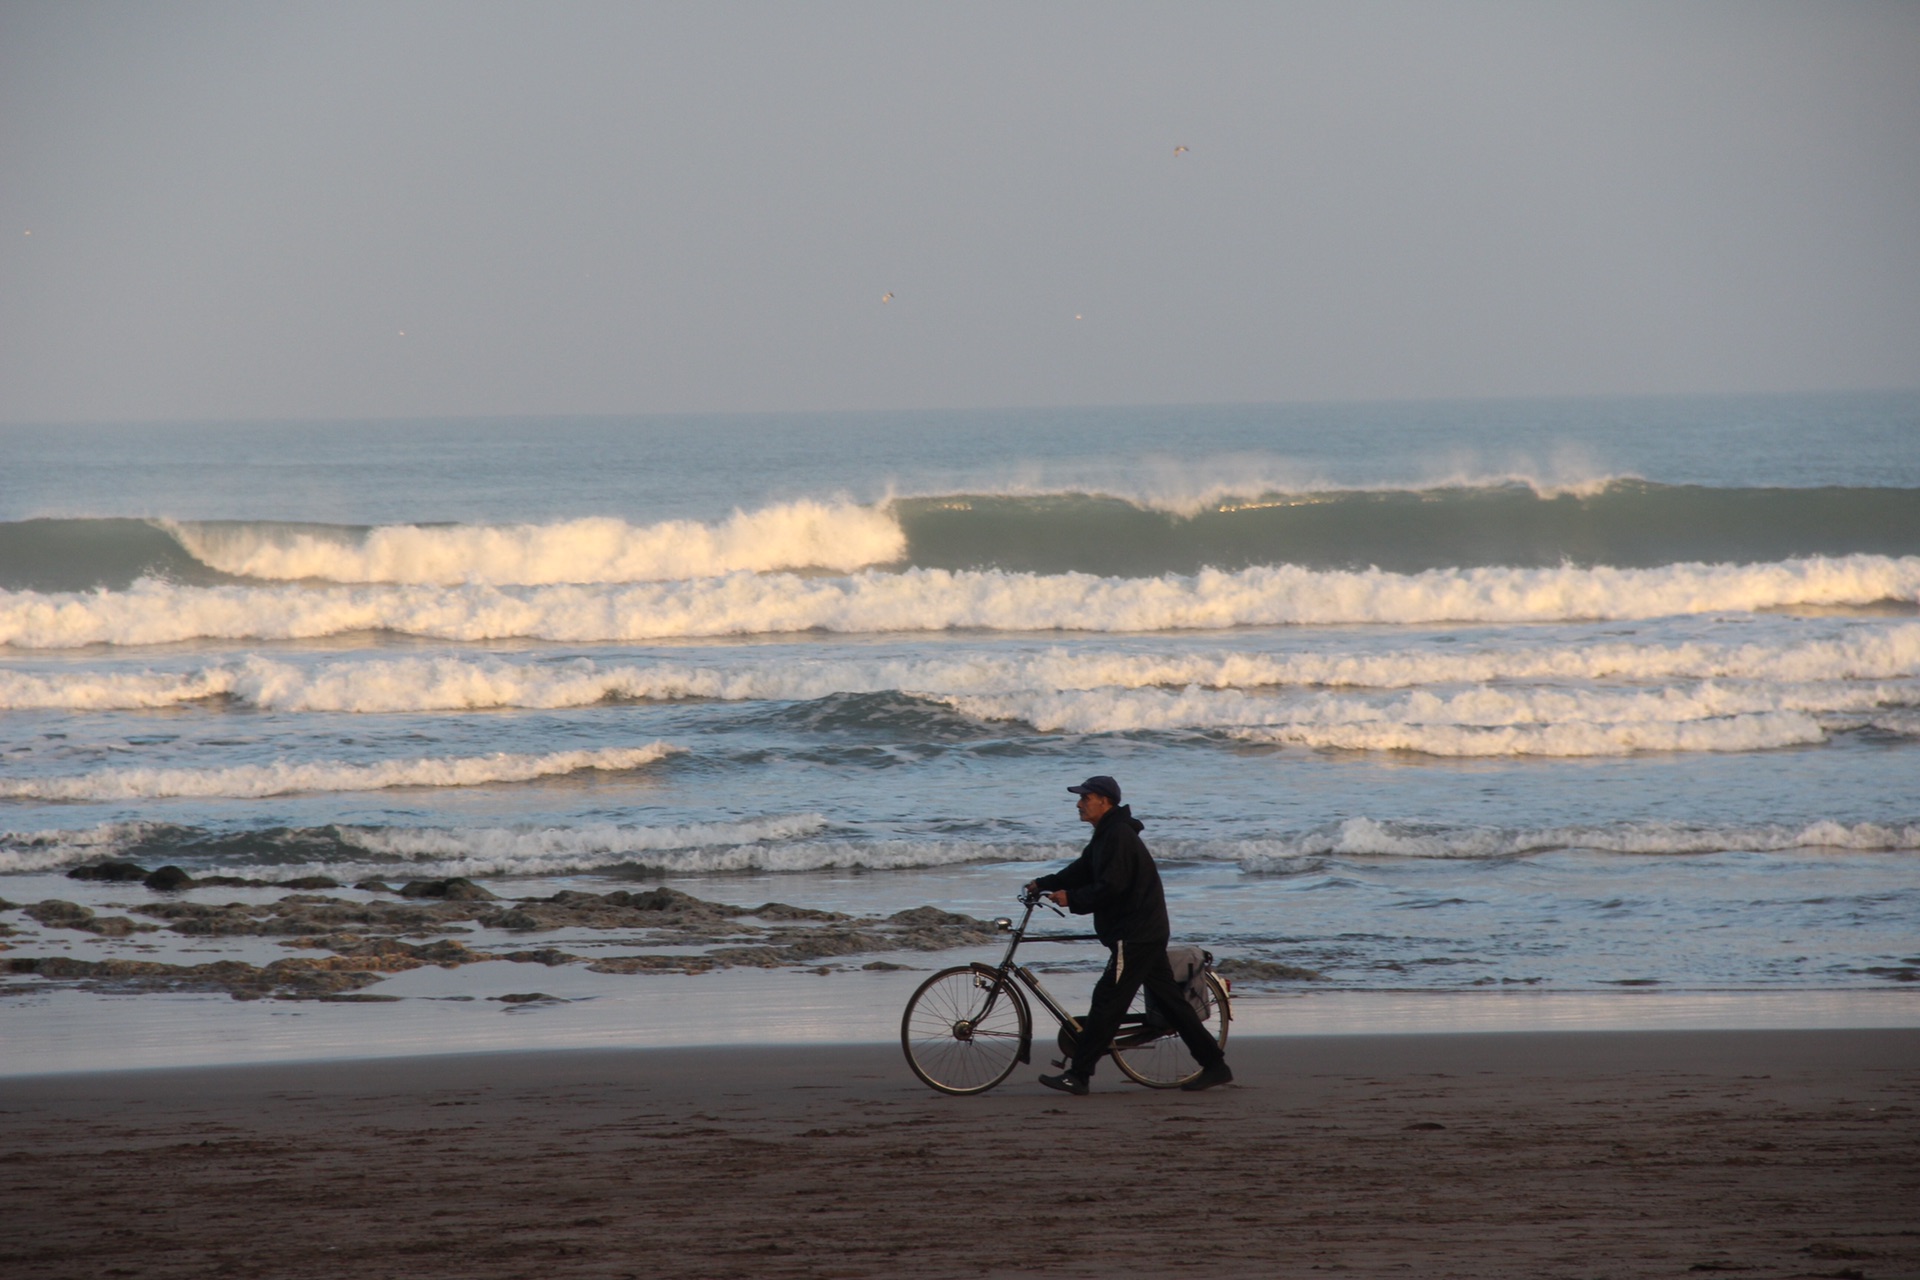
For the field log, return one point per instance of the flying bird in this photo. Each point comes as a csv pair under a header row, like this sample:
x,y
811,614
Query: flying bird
x,y
1180,151
886,297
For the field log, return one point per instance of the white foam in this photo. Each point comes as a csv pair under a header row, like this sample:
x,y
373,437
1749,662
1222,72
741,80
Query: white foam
x,y
774,843
769,845
789,843
1492,720
795,535
936,600
282,777
1361,837
444,683
1734,733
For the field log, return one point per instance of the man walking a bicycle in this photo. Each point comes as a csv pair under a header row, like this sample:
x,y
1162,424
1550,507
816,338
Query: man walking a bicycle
x,y
1115,880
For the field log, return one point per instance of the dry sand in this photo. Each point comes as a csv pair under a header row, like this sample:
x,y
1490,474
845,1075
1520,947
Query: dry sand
x,y
1756,1154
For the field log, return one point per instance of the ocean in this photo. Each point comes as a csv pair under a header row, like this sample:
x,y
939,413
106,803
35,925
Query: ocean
x,y
1572,696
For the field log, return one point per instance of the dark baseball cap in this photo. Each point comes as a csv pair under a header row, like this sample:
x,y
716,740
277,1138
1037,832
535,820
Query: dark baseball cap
x,y
1098,785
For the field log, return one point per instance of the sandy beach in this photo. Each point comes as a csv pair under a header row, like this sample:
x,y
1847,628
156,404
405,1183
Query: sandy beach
x,y
1761,1154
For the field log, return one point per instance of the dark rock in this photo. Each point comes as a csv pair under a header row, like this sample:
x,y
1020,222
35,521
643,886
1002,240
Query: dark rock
x,y
672,902
883,966
781,911
752,957
391,953
299,915
651,909
836,942
56,913
548,956
931,929
59,914
518,921
653,964
312,882
1266,971
1903,973
455,889
281,980
374,886
529,997
446,953
115,871
168,878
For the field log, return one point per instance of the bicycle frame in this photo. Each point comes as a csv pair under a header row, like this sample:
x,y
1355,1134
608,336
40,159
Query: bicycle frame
x,y
1006,970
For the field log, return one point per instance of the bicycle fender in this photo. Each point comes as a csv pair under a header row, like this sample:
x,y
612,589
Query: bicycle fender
x,y
1026,1041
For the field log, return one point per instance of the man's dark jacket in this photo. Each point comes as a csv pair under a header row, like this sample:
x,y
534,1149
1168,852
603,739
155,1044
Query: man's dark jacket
x,y
1115,879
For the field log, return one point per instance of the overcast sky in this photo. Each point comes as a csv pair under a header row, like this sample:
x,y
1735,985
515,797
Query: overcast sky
x,y
413,208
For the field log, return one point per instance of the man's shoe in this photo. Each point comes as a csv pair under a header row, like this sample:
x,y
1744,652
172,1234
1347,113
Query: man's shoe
x,y
1208,1077
1067,1082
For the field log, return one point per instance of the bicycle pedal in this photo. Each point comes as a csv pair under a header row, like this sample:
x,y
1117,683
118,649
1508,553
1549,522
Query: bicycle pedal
x,y
1061,1063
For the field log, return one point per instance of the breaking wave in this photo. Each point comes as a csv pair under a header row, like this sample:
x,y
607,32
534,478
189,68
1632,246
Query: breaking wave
x,y
453,683
154,612
1486,721
1622,523
1365,837
797,535
795,842
283,778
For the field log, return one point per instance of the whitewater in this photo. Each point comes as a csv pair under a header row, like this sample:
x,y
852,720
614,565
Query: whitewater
x,y
1421,697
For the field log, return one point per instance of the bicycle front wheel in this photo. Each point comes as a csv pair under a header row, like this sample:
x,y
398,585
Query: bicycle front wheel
x,y
960,1034
1160,1060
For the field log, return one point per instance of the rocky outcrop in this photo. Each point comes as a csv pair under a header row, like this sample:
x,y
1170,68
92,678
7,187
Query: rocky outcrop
x,y
457,889
366,938
298,979
110,871
654,964
1265,971
57,913
305,914
170,878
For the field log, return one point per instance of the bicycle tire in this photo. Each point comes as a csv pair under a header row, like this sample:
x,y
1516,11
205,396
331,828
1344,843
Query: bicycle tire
x,y
949,1045
1163,1062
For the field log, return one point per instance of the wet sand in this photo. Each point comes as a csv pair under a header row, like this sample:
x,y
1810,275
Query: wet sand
x,y
1618,1154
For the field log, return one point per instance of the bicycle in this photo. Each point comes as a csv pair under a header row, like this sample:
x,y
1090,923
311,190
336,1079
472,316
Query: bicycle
x,y
967,1027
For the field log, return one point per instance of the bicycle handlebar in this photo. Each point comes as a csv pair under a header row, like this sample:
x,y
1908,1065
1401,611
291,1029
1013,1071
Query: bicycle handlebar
x,y
1038,898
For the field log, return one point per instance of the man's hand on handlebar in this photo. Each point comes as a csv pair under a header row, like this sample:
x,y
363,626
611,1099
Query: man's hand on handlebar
x,y
1058,897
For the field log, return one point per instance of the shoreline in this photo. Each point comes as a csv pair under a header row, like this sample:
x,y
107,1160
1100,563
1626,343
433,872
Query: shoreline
x,y
1523,1154
63,1031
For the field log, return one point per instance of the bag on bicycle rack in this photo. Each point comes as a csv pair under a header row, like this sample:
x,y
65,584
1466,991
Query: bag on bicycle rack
x,y
1190,965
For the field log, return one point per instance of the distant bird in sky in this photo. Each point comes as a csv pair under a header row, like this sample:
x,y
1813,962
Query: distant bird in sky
x,y
886,297
1180,151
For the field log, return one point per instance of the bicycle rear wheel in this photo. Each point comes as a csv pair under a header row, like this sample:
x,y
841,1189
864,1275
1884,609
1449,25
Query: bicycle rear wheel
x,y
954,1041
1159,1059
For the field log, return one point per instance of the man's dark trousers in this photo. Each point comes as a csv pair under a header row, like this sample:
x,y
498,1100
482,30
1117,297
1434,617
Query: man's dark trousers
x,y
1140,965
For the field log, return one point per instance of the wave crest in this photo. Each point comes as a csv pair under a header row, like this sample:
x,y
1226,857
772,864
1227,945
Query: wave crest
x,y
798,535
935,600
450,683
792,842
283,777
